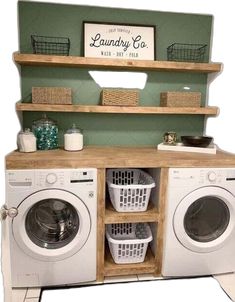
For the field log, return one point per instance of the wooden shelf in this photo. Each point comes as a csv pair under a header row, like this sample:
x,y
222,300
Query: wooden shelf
x,y
116,157
82,62
116,109
113,269
112,216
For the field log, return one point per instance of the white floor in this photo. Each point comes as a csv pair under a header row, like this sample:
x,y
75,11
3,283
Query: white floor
x,y
183,290
204,289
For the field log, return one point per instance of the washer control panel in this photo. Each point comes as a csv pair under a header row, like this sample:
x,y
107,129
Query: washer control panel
x,y
82,176
22,179
211,176
51,178
61,178
47,178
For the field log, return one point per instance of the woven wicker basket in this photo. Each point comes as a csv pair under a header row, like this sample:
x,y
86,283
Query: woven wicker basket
x,y
120,97
180,99
51,95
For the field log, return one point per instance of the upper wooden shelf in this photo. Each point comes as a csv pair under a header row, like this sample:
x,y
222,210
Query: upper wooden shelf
x,y
117,109
82,62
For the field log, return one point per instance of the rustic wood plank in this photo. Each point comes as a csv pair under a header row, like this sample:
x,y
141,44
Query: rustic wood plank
x,y
116,157
210,110
113,269
100,224
161,220
82,62
112,216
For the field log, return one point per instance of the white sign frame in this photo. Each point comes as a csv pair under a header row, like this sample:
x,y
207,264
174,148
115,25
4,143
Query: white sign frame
x,y
119,41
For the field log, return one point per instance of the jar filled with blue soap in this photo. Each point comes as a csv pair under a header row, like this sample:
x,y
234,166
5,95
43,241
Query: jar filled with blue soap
x,y
46,132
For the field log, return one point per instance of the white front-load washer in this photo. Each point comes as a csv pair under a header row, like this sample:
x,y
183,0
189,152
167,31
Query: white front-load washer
x,y
52,221
200,222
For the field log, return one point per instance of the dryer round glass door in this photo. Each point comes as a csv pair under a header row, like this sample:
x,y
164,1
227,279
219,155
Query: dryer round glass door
x,y
204,219
51,225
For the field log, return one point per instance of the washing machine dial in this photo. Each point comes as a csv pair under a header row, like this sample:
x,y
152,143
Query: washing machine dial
x,y
211,176
51,178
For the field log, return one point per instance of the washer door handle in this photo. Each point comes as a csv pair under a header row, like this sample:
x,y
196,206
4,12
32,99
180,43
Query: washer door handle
x,y
4,212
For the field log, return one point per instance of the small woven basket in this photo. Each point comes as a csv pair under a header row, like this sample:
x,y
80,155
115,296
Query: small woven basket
x,y
51,95
180,99
120,97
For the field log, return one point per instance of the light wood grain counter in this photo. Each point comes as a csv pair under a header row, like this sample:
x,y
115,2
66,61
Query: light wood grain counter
x,y
106,157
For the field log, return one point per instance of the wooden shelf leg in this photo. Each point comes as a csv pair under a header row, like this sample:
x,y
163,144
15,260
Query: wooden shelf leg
x,y
100,225
160,227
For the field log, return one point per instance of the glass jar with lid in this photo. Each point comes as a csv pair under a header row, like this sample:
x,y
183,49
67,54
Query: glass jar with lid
x,y
73,139
26,141
46,132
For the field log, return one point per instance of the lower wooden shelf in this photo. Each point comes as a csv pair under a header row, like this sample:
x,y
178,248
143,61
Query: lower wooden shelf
x,y
113,269
112,216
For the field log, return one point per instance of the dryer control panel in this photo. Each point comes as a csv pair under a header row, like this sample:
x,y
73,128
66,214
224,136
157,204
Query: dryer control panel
x,y
201,176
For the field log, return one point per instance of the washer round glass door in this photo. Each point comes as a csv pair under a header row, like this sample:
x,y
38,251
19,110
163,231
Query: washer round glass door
x,y
51,225
204,219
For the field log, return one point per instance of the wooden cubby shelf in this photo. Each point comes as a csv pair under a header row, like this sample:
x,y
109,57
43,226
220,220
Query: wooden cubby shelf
x,y
112,216
113,269
116,109
83,62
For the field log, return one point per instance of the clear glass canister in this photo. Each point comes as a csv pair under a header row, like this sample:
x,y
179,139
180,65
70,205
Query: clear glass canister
x,y
26,141
73,139
46,132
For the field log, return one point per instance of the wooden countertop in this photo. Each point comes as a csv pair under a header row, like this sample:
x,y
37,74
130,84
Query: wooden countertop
x,y
107,157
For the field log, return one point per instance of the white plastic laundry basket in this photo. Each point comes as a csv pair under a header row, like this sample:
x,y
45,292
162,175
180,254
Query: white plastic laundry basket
x,y
128,242
129,189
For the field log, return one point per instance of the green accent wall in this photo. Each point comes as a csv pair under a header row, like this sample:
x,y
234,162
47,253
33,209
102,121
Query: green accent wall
x,y
112,129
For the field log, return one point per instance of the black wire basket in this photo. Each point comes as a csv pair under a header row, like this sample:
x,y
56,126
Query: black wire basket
x,y
186,52
50,45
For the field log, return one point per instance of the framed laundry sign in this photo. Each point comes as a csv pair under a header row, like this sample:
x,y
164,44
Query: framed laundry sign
x,y
120,41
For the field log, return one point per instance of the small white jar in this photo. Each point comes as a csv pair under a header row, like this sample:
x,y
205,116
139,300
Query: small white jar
x,y
73,139
26,141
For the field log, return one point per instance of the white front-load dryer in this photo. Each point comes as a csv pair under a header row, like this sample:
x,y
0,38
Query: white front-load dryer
x,y
52,218
200,222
